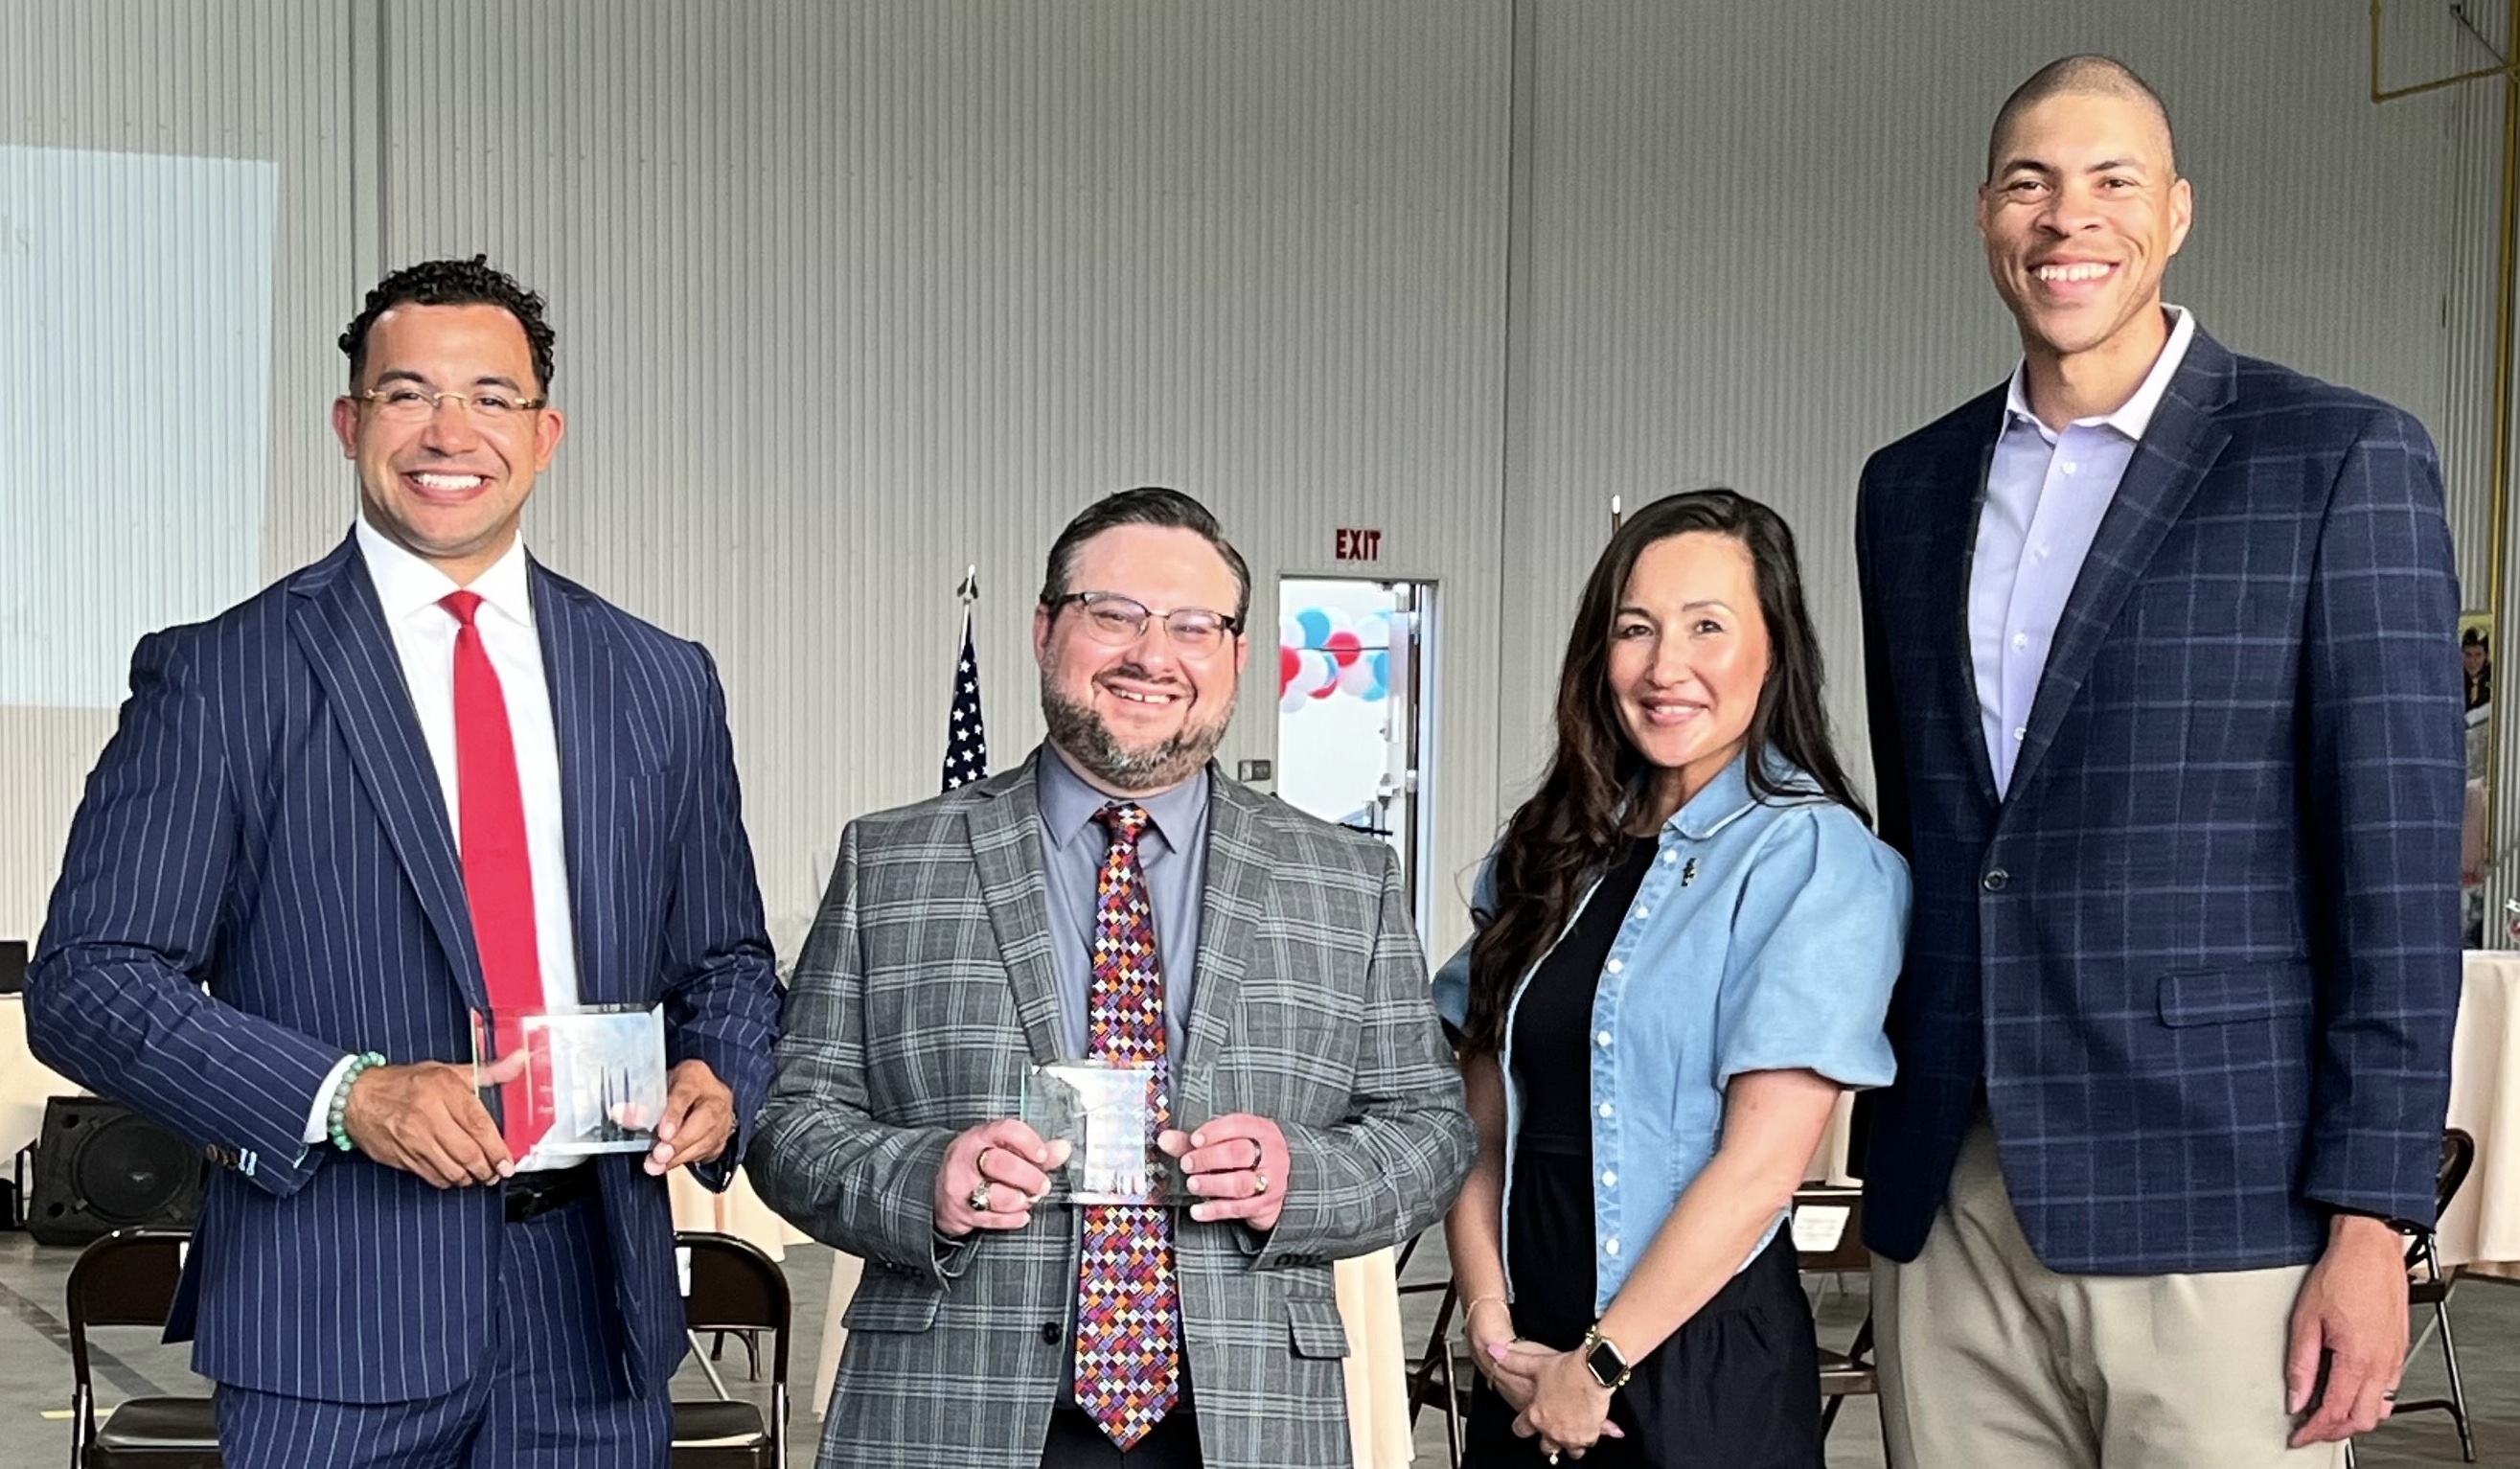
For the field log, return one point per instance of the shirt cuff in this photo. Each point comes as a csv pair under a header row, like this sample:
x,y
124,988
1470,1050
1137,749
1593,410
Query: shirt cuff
x,y
319,1120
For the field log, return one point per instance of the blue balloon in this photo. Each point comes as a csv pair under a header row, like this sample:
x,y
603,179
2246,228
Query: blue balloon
x,y
1317,626
1381,661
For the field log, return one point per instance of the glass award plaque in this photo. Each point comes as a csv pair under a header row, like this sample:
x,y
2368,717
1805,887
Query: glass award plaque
x,y
1107,1113
592,1080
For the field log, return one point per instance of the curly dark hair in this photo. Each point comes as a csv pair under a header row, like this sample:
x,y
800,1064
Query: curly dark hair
x,y
453,283
1569,830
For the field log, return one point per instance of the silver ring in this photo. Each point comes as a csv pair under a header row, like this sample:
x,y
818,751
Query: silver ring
x,y
2389,1396
979,1198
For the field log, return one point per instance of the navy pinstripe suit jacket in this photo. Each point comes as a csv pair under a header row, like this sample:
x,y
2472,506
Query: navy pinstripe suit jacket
x,y
262,878
2204,953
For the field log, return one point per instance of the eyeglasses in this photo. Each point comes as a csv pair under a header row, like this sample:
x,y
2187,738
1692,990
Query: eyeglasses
x,y
1116,621
404,403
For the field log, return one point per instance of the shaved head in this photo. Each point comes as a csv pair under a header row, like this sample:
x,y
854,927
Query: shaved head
x,y
2078,76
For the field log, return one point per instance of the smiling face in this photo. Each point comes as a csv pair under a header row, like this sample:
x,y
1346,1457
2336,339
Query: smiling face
x,y
448,487
1138,717
1689,657
2081,215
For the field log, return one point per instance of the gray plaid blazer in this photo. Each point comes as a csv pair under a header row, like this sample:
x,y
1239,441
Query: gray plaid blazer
x,y
924,993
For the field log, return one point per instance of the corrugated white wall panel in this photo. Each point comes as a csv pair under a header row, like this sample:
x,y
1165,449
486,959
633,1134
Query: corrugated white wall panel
x,y
1754,261
129,87
850,296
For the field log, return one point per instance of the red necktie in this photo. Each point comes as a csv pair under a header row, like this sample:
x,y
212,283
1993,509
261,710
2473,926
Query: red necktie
x,y
498,872
1128,1310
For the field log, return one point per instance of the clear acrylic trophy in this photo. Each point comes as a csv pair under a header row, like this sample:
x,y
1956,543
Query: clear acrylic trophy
x,y
1105,1111
594,1080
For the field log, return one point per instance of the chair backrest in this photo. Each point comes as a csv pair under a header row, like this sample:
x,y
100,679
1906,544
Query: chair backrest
x,y
1819,1207
127,1278
735,1287
2457,1156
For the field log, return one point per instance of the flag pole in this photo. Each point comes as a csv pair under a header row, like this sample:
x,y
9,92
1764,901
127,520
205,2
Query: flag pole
x,y
1615,516
970,591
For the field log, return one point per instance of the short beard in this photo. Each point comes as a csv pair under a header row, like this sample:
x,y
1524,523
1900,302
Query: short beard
x,y
1084,739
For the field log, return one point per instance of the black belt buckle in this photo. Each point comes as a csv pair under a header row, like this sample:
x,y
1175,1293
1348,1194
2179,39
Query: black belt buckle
x,y
530,1195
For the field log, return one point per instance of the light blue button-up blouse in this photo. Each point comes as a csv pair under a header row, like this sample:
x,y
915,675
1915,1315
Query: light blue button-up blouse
x,y
1765,937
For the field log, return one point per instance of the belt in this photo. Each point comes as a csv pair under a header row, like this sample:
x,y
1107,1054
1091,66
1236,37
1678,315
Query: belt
x,y
531,1196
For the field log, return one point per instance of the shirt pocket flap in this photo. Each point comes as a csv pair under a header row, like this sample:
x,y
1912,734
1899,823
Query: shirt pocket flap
x,y
888,1302
1317,1328
2245,991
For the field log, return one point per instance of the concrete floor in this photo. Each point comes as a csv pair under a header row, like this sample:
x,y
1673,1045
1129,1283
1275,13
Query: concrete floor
x,y
35,1371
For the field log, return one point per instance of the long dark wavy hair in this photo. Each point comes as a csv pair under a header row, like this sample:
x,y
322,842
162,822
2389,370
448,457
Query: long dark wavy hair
x,y
1570,828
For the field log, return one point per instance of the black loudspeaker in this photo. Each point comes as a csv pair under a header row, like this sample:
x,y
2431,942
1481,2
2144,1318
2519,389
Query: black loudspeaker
x,y
100,1168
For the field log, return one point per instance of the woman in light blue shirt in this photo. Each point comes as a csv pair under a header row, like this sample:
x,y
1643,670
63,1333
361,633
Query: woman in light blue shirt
x,y
1686,939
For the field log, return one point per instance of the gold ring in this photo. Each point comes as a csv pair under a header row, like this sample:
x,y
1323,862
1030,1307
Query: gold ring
x,y
1259,1183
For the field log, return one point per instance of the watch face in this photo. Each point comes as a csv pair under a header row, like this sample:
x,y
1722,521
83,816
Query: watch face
x,y
1604,1363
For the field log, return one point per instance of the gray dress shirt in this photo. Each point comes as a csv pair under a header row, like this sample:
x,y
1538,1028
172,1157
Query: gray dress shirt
x,y
1173,853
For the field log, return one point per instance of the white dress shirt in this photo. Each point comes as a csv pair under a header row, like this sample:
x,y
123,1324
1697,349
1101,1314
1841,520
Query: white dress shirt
x,y
2046,494
409,590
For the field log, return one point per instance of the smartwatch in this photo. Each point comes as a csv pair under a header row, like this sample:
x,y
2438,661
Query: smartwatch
x,y
1604,1359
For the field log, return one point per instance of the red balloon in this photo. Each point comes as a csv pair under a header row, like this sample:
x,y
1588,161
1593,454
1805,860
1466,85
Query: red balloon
x,y
1290,663
1343,647
1327,690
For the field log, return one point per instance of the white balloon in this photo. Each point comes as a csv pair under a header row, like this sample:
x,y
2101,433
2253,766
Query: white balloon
x,y
1357,678
1341,621
1292,700
1319,672
1373,630
1290,633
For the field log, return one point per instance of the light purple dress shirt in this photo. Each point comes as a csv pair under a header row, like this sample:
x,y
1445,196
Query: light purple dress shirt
x,y
2046,493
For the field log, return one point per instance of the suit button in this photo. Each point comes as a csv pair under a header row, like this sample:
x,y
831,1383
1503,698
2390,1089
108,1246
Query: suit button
x,y
1052,1331
1996,878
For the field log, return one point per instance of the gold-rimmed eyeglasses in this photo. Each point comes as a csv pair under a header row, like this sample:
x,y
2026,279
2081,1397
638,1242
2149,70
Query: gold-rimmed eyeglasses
x,y
1116,621
407,403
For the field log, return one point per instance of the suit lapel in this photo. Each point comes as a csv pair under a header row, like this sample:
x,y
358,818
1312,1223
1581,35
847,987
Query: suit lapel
x,y
1005,831
340,627
587,720
2177,449
1239,865
1952,555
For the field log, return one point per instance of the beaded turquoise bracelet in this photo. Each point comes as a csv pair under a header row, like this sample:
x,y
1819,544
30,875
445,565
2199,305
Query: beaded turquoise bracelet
x,y
339,1110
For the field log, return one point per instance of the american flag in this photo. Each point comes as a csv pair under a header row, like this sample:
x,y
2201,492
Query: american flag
x,y
966,744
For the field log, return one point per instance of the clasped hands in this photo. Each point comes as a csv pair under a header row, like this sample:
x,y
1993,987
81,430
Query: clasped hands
x,y
426,1119
1552,1394
995,1172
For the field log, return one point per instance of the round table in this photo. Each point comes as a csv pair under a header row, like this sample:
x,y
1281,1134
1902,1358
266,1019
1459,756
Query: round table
x,y
2480,1232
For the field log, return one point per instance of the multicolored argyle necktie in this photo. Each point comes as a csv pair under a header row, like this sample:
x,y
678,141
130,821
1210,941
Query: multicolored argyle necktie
x,y
1128,1307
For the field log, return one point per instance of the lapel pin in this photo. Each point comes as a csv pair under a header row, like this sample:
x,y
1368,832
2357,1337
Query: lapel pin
x,y
1689,872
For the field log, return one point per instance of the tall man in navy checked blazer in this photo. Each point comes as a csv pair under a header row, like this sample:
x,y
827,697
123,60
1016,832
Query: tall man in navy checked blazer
x,y
1115,896
2162,645
339,819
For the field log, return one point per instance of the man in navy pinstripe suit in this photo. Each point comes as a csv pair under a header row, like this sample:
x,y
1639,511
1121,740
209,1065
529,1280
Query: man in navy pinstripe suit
x,y
331,816
2162,652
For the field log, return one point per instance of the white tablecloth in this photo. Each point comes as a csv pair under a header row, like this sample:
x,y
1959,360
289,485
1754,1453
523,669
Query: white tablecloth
x,y
2481,1232
25,1082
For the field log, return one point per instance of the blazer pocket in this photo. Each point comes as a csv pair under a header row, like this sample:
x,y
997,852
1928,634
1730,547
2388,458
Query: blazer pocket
x,y
890,1302
2245,991
1317,1328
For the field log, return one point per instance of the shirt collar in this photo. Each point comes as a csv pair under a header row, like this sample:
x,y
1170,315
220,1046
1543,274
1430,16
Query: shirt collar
x,y
1728,797
1068,804
405,582
2133,415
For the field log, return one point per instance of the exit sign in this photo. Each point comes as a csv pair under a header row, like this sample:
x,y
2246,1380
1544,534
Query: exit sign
x,y
1360,544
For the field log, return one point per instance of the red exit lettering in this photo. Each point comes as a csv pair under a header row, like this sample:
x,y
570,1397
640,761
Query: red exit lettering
x,y
1360,544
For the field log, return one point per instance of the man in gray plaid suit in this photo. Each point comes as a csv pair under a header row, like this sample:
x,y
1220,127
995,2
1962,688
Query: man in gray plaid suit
x,y
1114,898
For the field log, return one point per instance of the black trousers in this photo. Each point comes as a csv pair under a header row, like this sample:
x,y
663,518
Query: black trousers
x,y
1736,1387
1077,1442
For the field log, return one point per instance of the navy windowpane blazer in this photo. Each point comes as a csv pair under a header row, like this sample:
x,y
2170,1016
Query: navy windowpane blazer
x,y
2203,955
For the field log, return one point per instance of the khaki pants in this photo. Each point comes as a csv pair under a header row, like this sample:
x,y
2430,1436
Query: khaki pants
x,y
1992,1360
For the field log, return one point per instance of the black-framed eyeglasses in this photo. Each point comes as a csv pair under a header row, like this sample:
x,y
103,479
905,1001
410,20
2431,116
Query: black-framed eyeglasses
x,y
408,403
1116,621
